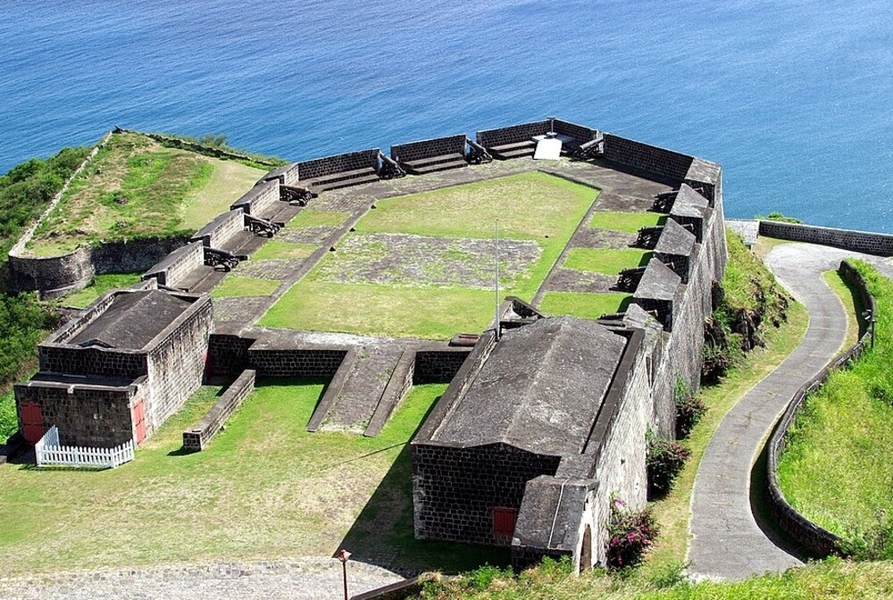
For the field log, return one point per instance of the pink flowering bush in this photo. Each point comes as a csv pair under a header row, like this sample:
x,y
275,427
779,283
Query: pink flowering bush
x,y
631,534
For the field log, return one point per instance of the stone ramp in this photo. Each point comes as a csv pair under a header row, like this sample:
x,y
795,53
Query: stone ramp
x,y
727,541
363,388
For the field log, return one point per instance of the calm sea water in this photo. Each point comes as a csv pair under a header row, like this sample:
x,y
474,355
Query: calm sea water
x,y
794,98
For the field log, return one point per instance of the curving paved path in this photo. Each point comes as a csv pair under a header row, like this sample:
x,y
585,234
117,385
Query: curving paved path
x,y
727,542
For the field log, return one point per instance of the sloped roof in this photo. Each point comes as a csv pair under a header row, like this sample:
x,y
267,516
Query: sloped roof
x,y
540,390
675,239
132,320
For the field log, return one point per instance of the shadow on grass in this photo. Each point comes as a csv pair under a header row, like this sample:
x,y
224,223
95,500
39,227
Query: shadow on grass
x,y
624,304
383,535
760,508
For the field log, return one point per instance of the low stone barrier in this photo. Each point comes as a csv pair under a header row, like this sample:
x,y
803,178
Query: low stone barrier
x,y
396,591
812,537
197,438
878,244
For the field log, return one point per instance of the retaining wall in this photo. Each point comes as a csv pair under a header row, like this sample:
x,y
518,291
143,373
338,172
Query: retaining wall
x,y
818,540
197,438
339,163
878,244
321,363
177,265
453,144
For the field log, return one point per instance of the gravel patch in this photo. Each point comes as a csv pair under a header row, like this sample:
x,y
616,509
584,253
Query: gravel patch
x,y
404,259
306,579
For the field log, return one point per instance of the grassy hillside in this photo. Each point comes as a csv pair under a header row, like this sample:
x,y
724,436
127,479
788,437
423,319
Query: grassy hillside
x,y
836,468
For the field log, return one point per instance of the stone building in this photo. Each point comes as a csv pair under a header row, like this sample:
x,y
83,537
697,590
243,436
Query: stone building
x,y
118,370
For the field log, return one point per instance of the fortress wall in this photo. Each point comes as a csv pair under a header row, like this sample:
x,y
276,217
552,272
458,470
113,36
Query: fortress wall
x,y
228,354
652,159
132,256
55,276
309,363
258,199
52,276
453,144
339,163
176,363
438,366
620,469
177,265
878,244
222,229
511,134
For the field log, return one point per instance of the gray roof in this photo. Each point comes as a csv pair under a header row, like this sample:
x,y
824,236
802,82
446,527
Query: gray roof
x,y
689,203
132,320
540,390
675,239
659,282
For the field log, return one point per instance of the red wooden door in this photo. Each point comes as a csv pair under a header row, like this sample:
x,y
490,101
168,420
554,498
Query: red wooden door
x,y
139,421
32,422
504,521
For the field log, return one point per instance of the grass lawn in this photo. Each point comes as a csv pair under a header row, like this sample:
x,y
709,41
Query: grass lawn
x,y
229,181
100,285
428,313
528,206
606,260
584,305
626,222
835,468
317,218
539,210
233,286
264,489
135,187
278,249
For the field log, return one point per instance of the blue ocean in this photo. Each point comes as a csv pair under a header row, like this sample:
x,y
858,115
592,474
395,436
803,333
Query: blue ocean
x,y
794,98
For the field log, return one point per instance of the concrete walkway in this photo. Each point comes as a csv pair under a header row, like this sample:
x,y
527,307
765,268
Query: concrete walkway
x,y
727,542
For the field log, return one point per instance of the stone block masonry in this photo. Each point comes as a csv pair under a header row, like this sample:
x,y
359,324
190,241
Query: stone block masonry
x,y
878,244
197,438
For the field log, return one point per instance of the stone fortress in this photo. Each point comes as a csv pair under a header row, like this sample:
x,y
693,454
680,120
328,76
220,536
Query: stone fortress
x,y
545,418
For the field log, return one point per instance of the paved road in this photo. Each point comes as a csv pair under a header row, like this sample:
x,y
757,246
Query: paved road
x,y
727,542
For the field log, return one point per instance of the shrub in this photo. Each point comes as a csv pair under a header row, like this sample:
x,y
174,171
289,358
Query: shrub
x,y
875,543
778,216
664,460
689,408
631,534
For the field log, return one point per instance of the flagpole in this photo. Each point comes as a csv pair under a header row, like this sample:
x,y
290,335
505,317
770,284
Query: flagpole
x,y
496,299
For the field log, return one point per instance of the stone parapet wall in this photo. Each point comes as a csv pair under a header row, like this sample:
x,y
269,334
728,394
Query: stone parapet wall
x,y
453,144
221,230
178,265
339,163
109,362
438,365
52,276
512,134
197,438
818,540
878,244
258,200
654,160
228,354
308,363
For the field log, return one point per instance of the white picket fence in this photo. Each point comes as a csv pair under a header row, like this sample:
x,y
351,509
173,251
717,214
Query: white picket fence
x,y
50,452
